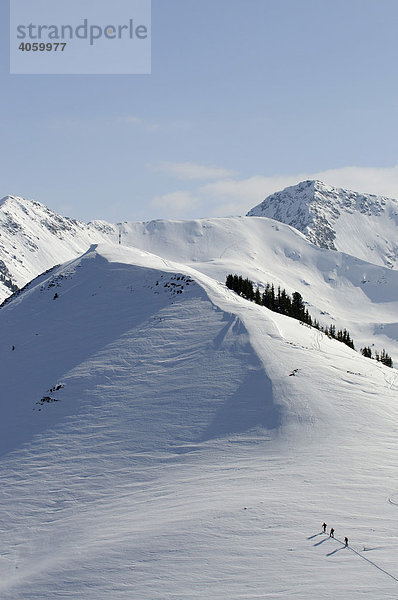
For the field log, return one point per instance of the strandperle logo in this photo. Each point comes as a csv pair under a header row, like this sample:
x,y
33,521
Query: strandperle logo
x,y
84,31
70,37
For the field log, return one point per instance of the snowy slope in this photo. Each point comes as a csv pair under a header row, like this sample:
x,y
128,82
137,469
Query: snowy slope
x,y
181,458
339,288
363,225
33,239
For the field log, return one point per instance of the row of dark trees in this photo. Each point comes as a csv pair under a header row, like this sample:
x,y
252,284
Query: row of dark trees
x,y
278,301
293,306
382,356
342,335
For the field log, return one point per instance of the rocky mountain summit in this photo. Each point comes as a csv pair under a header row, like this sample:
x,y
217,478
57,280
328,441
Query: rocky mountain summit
x,y
34,238
363,225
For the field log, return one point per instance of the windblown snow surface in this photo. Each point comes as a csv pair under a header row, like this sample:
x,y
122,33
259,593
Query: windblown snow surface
x,y
163,438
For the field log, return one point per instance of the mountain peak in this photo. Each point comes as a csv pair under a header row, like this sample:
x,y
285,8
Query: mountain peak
x,y
8,198
309,206
34,238
363,225
17,204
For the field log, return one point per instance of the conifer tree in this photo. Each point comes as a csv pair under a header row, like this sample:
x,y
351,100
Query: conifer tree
x,y
230,282
366,352
298,309
294,306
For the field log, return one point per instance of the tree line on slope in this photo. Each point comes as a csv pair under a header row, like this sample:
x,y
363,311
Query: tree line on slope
x,y
382,356
293,306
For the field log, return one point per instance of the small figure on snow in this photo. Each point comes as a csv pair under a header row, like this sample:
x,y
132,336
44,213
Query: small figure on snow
x,y
346,541
331,534
13,348
324,527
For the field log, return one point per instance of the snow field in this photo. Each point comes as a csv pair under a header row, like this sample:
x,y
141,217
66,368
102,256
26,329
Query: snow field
x,y
183,459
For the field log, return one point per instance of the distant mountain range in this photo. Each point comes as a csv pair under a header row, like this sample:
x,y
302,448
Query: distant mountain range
x,y
352,281
33,238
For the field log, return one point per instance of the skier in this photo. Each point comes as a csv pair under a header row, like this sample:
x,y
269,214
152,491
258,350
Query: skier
x,y
324,527
331,534
346,541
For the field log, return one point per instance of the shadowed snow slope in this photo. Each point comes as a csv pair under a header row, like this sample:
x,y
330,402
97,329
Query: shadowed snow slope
x,y
101,321
162,438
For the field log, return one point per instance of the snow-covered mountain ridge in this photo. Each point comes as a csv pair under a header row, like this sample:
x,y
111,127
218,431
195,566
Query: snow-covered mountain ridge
x,y
363,225
161,437
340,289
33,239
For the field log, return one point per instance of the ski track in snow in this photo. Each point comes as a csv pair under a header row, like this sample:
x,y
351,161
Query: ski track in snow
x,y
350,548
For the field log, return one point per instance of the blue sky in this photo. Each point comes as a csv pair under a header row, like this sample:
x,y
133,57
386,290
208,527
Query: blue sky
x,y
245,97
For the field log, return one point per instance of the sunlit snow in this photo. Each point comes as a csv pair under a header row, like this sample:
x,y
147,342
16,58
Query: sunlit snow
x,y
163,438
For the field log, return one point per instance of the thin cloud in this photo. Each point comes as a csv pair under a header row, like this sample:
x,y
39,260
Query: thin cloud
x,y
228,196
131,120
382,181
153,126
245,193
180,202
191,171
